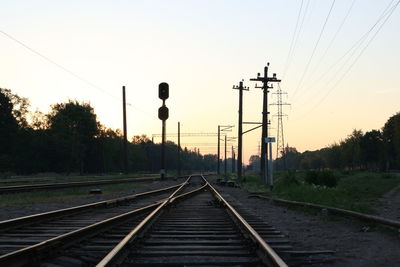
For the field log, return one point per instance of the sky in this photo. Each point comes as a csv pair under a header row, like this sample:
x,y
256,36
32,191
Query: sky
x,y
337,61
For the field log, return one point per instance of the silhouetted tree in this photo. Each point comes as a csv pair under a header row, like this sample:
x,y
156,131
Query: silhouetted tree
x,y
391,136
8,130
75,127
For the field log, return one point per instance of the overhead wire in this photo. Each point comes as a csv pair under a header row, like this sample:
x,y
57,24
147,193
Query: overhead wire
x,y
350,52
314,49
66,69
292,41
327,49
335,35
388,13
298,34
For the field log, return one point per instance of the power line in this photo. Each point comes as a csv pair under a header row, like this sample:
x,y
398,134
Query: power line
x,y
55,63
351,52
66,69
315,48
335,35
390,12
299,32
292,42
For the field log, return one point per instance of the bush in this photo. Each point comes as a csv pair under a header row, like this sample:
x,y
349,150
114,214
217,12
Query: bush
x,y
387,176
322,178
289,178
312,177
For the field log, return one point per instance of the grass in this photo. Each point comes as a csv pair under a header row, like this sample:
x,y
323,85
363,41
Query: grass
x,y
355,191
59,196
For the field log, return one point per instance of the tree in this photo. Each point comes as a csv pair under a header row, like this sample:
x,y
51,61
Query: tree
x,y
254,162
371,145
75,127
8,130
139,139
19,106
391,136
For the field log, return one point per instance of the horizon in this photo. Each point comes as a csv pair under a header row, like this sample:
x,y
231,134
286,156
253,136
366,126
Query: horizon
x,y
53,52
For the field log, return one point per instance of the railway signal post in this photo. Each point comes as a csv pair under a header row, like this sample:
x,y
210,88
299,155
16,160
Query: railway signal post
x,y
163,114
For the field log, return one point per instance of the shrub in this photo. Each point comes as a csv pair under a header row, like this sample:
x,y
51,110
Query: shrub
x,y
322,178
312,177
387,176
288,179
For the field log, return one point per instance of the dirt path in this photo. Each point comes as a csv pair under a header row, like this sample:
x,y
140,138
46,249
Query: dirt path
x,y
389,204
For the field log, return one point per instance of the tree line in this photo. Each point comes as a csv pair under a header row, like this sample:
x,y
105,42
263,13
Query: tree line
x,y
70,139
377,150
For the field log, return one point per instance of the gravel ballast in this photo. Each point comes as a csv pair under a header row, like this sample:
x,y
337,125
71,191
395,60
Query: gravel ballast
x,y
24,210
356,243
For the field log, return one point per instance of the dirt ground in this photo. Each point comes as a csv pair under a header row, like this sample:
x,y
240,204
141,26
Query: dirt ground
x,y
355,243
24,210
388,205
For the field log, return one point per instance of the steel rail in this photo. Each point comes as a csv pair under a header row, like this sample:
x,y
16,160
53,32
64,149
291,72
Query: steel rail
x,y
37,251
31,187
355,214
117,252
270,257
17,222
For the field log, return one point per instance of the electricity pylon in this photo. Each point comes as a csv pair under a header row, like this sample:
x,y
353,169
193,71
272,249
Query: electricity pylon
x,y
280,139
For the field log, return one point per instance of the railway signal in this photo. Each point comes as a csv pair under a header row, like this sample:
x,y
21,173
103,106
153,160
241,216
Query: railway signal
x,y
163,114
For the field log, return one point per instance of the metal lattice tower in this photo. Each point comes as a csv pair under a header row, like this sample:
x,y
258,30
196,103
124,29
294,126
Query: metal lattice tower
x,y
280,140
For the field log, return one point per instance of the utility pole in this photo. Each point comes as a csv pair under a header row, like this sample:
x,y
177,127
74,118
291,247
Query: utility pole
x,y
280,142
240,127
221,128
125,143
233,160
225,161
264,134
179,148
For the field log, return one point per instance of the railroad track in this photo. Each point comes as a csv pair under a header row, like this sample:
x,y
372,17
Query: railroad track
x,y
52,186
193,225
20,233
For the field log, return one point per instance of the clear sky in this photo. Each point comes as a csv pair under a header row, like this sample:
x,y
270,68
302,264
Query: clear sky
x,y
341,78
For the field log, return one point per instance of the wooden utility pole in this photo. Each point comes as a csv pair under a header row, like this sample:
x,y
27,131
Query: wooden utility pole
x,y
265,121
179,148
222,128
219,128
225,160
233,160
240,128
125,142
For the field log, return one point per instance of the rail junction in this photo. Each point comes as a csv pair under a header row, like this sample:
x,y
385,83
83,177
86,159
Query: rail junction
x,y
188,224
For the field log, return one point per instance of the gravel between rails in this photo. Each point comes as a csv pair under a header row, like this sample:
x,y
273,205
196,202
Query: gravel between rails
x,y
356,243
19,211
